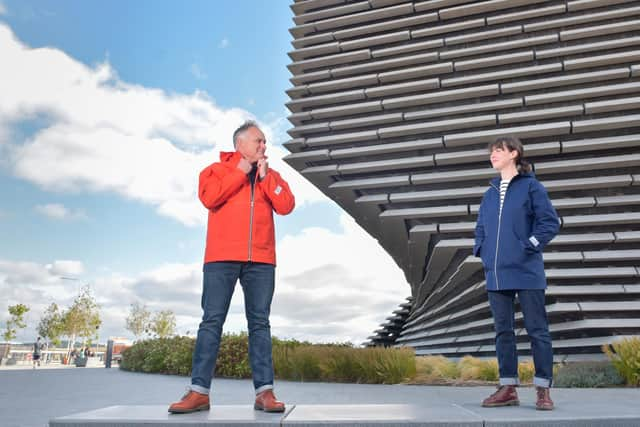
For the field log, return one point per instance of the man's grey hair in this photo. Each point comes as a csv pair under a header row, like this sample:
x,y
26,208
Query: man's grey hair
x,y
242,129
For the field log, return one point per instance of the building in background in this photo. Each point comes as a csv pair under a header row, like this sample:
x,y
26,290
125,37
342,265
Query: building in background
x,y
393,103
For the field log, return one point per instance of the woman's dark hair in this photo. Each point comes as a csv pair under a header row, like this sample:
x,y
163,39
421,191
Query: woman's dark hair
x,y
512,143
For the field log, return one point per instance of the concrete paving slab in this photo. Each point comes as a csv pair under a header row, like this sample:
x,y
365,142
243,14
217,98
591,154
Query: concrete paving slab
x,y
381,416
33,397
157,416
566,414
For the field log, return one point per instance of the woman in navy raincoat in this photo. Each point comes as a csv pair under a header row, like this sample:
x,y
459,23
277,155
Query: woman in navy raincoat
x,y
515,222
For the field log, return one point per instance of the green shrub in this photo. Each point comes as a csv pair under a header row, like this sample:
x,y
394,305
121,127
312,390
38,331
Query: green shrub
x,y
233,357
472,368
587,374
394,366
173,356
435,369
178,359
526,371
625,357
343,363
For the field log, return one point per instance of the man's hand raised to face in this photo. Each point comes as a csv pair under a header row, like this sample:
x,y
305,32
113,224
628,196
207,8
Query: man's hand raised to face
x,y
263,167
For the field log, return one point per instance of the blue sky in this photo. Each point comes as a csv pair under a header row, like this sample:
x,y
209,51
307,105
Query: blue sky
x,y
109,111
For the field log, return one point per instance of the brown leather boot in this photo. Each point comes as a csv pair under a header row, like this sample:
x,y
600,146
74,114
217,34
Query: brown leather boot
x,y
543,401
266,401
191,402
506,395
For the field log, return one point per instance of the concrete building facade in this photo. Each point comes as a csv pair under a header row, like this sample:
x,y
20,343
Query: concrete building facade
x,y
393,103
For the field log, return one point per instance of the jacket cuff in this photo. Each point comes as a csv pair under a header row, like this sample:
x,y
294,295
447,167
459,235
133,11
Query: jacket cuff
x,y
534,243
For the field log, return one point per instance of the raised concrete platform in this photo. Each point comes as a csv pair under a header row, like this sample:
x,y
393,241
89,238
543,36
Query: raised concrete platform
x,y
381,415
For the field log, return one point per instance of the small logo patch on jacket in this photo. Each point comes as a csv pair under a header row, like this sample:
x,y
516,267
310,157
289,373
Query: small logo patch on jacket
x,y
278,190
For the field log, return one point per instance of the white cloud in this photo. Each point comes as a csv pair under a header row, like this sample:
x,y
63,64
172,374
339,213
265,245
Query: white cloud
x,y
107,135
329,287
197,72
59,211
66,268
224,43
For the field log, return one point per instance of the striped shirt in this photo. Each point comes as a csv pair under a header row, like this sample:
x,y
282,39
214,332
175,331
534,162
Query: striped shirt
x,y
503,190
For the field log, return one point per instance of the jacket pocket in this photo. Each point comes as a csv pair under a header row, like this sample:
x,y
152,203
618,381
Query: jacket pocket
x,y
511,252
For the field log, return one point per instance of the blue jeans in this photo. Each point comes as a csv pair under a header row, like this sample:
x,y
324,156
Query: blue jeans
x,y
537,326
219,281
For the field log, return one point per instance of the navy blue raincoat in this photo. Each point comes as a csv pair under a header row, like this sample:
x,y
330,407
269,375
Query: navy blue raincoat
x,y
510,244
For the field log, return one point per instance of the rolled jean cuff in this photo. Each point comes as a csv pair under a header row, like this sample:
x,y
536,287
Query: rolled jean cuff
x,y
263,388
199,389
541,382
509,381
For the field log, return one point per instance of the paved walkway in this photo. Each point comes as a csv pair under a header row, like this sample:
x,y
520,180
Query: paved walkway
x,y
31,398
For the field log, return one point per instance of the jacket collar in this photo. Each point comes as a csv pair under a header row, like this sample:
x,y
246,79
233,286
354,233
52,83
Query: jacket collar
x,y
496,181
230,156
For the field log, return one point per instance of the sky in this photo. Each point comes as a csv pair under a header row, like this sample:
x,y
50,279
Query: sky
x,y
108,112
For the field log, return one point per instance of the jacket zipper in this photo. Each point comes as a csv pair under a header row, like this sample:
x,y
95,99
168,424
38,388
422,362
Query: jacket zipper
x,y
253,184
495,260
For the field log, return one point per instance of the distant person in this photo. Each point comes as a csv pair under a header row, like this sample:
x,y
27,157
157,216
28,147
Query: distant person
x,y
515,222
241,193
37,352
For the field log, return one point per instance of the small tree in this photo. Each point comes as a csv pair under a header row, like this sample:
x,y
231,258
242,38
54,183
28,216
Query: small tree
x,y
51,324
16,321
164,324
138,320
82,319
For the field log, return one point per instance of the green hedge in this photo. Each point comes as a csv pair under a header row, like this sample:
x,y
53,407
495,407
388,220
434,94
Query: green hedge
x,y
625,357
292,360
587,374
302,361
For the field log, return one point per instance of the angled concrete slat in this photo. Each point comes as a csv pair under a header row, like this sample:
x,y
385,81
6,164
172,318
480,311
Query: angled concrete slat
x,y
375,41
497,47
387,148
342,84
618,27
483,35
587,47
533,131
542,114
577,5
407,48
492,61
499,75
623,141
362,17
593,92
370,66
385,26
483,7
601,60
613,105
617,122
436,126
463,109
600,219
441,96
581,19
415,72
303,18
447,28
565,80
526,14
385,165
